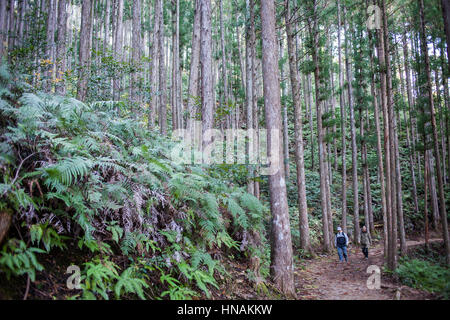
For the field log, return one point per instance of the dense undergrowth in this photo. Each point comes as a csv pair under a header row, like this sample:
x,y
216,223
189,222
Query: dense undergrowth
x,y
426,269
76,173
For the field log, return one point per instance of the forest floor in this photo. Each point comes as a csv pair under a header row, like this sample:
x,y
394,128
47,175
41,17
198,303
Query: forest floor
x,y
321,278
325,278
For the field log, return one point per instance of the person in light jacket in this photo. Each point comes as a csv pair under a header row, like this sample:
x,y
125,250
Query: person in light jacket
x,y
341,243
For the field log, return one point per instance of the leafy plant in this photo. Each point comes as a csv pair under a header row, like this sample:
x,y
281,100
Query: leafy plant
x,y
18,259
424,275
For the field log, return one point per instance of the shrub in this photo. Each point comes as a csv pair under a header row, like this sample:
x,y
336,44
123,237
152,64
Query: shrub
x,y
424,275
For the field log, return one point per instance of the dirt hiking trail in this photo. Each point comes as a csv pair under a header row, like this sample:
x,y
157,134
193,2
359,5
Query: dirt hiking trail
x,y
325,278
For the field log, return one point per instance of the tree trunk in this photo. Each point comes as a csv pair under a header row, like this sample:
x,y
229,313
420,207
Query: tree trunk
x,y
194,67
85,49
440,101
379,148
435,138
313,30
446,16
136,55
50,43
343,118
285,116
3,29
387,219
162,119
224,64
309,100
301,180
281,249
118,47
425,211
106,29
176,104
447,107
408,135
249,86
356,231
11,20
206,69
61,47
154,72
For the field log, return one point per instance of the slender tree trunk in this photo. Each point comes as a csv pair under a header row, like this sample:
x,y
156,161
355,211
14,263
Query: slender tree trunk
x,y
3,29
425,211
446,16
379,149
343,118
333,115
107,21
162,74
11,20
433,190
281,250
435,138
387,219
50,42
440,101
136,55
408,135
178,101
309,99
447,107
356,231
313,30
249,86
85,49
285,117
21,22
392,261
242,69
369,189
295,86
61,47
194,67
207,72
365,171
176,105
154,68
399,194
118,47
241,60
224,64
255,111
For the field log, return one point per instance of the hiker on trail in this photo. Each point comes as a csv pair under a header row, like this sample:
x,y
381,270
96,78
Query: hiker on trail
x,y
341,243
365,242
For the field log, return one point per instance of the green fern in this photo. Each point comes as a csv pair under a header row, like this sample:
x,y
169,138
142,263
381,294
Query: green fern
x,y
47,235
128,283
67,171
18,259
98,277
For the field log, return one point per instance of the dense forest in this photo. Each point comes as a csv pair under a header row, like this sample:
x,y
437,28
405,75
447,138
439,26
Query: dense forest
x,y
210,149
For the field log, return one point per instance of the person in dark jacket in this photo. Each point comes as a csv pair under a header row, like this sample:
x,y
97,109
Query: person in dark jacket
x,y
341,243
365,242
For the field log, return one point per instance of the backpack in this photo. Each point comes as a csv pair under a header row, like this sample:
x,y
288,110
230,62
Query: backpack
x,y
340,240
